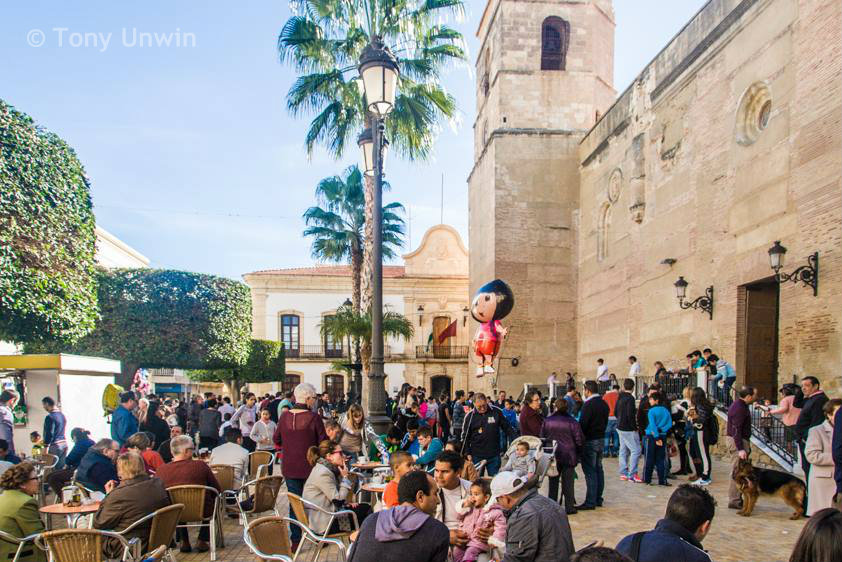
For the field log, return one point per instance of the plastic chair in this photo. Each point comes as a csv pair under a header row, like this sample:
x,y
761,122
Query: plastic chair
x,y
268,538
300,506
75,545
20,541
193,499
259,463
265,496
164,523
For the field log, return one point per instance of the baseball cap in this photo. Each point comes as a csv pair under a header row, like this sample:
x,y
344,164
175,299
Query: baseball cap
x,y
506,482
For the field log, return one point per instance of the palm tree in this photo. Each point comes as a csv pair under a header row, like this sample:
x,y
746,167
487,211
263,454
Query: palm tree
x,y
337,226
323,41
347,323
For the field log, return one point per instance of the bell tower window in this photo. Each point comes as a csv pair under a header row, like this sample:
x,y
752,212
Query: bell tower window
x,y
555,38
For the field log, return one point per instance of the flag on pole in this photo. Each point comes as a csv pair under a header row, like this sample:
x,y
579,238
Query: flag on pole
x,y
450,331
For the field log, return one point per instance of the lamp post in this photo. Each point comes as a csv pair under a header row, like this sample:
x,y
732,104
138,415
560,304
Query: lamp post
x,y
355,362
379,72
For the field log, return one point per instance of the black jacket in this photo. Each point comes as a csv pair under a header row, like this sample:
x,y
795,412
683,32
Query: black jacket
x,y
594,417
811,414
625,410
643,414
668,541
481,432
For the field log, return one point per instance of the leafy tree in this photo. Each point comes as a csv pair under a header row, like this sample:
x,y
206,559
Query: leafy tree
x,y
337,226
164,318
265,363
349,324
47,235
323,41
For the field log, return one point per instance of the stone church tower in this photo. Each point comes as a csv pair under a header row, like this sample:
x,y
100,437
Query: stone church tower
x,y
544,74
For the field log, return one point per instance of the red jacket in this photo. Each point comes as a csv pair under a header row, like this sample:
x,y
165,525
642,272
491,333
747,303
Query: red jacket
x,y
530,421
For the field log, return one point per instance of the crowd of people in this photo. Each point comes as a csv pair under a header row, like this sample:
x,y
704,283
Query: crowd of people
x,y
466,472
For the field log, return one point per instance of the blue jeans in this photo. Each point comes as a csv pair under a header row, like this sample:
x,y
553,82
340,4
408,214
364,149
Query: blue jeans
x,y
629,452
612,440
655,458
594,475
492,464
296,486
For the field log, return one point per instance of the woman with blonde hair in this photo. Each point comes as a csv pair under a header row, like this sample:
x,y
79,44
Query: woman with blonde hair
x,y
136,496
328,487
19,511
353,438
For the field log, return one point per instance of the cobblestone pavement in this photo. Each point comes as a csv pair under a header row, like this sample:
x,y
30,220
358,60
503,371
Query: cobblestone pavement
x,y
767,536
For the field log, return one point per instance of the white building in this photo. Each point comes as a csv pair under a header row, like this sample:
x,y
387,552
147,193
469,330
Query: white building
x,y
431,289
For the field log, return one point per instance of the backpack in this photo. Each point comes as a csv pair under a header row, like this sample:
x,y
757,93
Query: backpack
x,y
111,398
713,436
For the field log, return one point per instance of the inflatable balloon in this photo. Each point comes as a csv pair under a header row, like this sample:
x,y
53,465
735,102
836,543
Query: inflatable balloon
x,y
493,302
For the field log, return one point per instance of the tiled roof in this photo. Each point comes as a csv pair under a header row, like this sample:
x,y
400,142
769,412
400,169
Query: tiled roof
x,y
329,271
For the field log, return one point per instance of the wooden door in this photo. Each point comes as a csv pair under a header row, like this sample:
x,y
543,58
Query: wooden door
x,y
761,333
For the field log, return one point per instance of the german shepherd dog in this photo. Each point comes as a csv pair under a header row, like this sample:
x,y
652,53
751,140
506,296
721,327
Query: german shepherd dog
x,y
753,481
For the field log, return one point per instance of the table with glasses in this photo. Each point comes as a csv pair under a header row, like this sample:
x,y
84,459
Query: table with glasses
x,y
72,513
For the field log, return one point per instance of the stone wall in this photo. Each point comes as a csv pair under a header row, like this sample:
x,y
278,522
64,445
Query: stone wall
x,y
682,168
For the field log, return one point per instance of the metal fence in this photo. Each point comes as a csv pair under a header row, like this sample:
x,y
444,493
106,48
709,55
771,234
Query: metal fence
x,y
324,352
441,351
672,385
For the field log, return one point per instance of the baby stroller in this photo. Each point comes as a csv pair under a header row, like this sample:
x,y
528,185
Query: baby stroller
x,y
544,456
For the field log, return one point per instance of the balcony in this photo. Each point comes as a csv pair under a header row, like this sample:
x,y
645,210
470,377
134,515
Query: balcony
x,y
434,352
322,352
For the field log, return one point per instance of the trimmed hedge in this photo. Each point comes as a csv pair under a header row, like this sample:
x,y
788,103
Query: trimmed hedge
x,y
266,363
47,235
165,318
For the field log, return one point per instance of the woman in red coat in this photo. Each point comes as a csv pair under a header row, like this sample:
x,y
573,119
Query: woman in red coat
x,y
531,419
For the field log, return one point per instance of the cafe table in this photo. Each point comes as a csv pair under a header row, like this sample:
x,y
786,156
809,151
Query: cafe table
x,y
72,513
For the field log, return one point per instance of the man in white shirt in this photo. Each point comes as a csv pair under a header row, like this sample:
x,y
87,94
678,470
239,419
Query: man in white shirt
x,y
452,492
601,370
232,453
226,407
634,367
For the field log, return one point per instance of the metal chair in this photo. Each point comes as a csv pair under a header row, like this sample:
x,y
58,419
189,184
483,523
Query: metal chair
x,y
20,541
224,475
268,538
164,523
480,466
265,496
259,463
193,515
156,555
300,506
76,545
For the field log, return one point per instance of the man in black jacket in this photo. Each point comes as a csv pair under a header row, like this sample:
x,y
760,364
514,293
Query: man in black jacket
x,y
626,413
482,431
593,419
811,415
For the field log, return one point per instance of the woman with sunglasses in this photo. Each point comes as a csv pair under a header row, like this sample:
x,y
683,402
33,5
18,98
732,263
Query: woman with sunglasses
x,y
19,511
328,487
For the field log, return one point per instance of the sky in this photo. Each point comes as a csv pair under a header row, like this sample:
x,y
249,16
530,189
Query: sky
x,y
193,158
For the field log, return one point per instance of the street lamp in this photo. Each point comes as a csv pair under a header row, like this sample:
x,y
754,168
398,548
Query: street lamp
x,y
807,274
379,72
703,303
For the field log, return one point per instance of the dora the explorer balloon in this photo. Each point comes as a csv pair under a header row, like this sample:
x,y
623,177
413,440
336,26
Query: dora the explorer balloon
x,y
493,302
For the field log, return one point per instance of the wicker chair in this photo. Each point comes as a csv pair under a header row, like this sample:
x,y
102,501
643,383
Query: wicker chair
x,y
300,506
164,522
224,475
265,496
193,499
20,541
76,545
259,463
268,539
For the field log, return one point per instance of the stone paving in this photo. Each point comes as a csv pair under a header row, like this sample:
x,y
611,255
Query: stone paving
x,y
767,536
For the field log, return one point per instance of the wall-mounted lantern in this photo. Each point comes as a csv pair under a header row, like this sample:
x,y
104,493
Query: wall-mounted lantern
x,y
420,314
465,312
703,303
807,274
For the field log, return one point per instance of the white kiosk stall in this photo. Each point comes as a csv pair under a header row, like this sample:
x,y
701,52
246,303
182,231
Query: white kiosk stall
x,y
76,382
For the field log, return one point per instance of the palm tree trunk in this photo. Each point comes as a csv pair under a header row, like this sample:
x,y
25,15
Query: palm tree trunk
x,y
356,273
368,250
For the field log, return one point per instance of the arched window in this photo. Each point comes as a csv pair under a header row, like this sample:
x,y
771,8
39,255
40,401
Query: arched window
x,y
602,230
555,37
290,382
290,334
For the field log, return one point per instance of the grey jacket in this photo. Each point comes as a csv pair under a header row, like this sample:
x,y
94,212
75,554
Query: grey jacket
x,y
325,490
537,531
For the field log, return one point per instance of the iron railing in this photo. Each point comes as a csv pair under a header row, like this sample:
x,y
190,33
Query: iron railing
x,y
672,385
441,351
765,427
